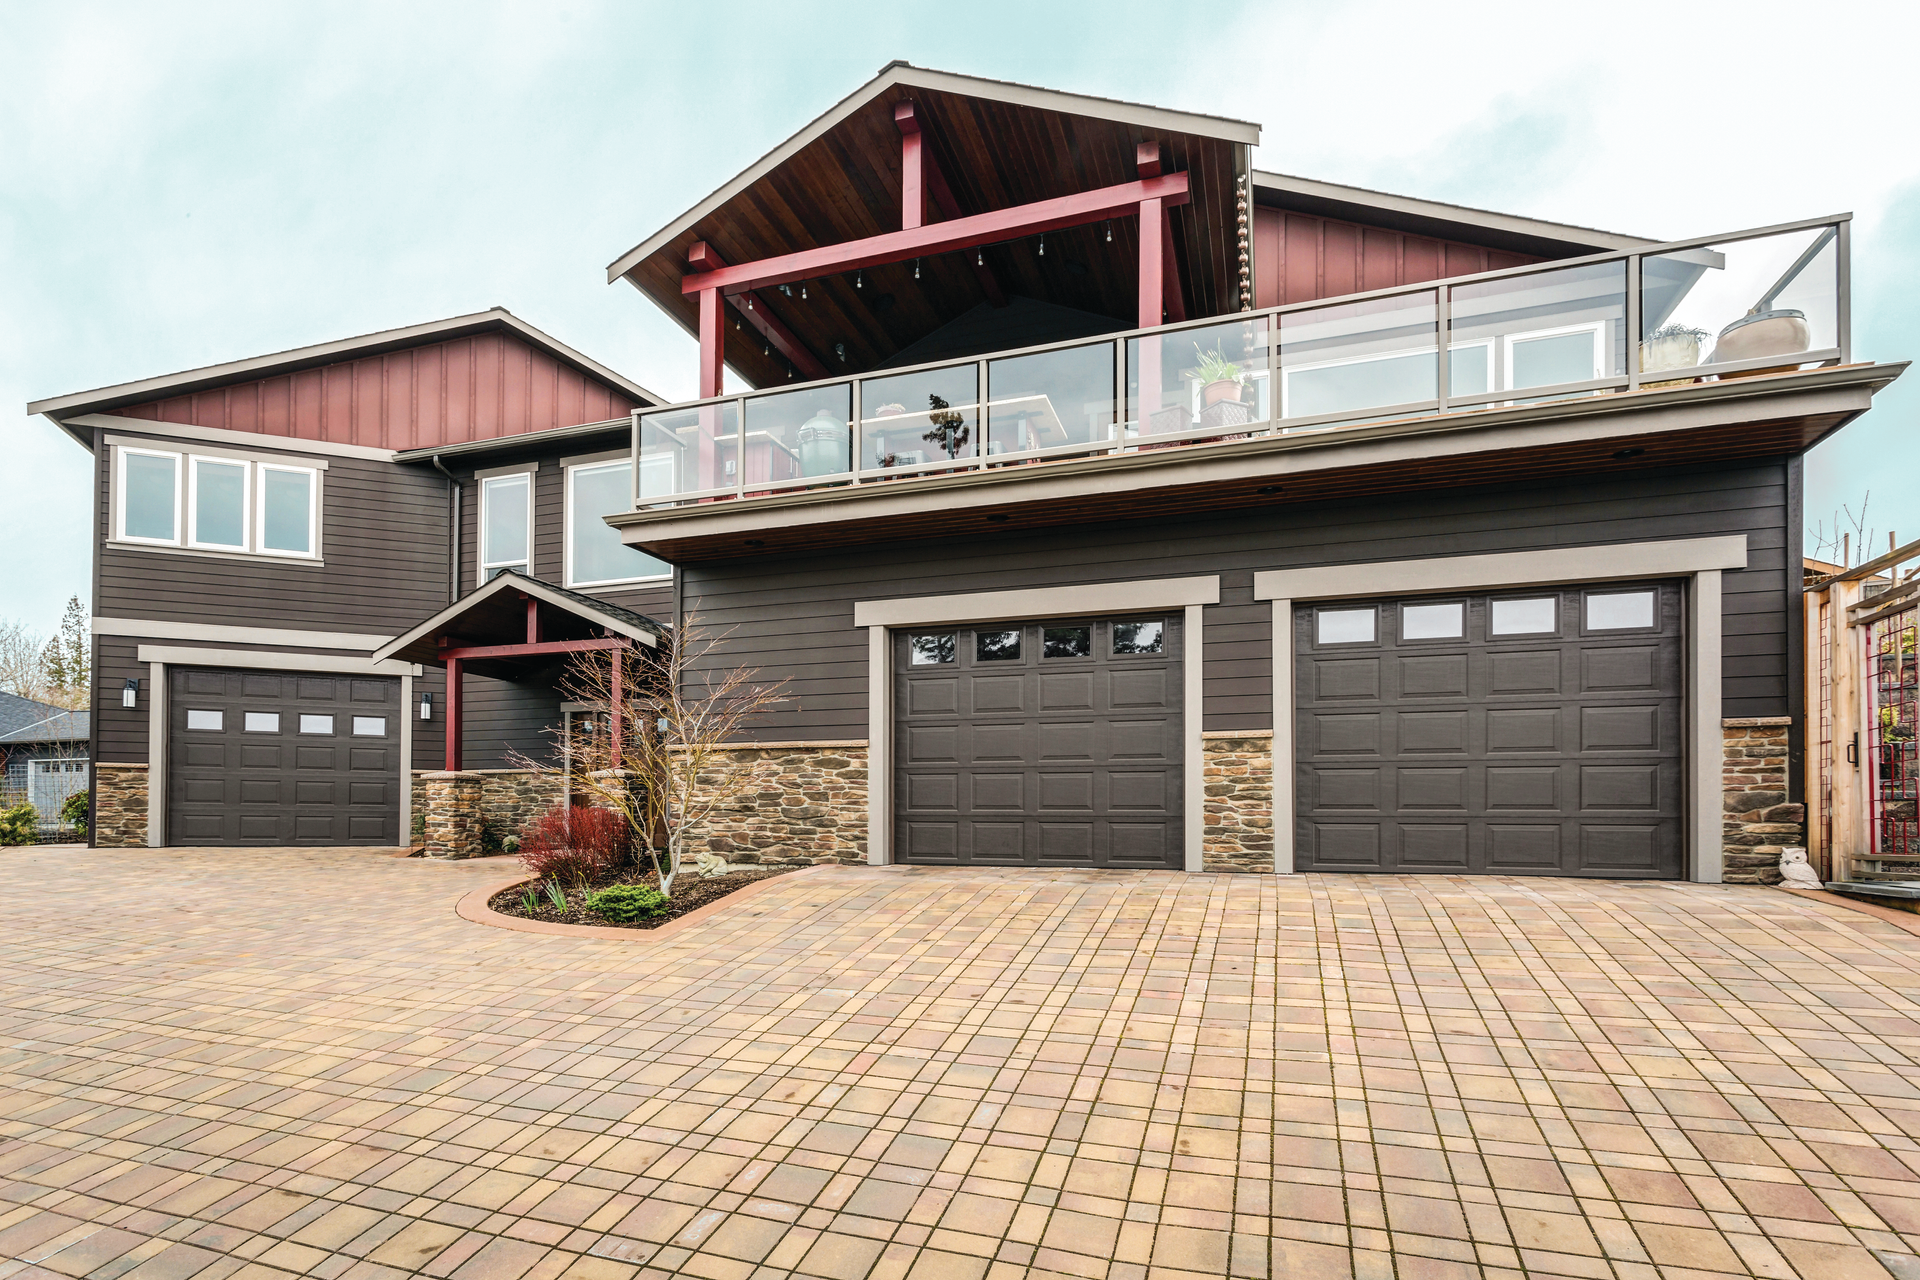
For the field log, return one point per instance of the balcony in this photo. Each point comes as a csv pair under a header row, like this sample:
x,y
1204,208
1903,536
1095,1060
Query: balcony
x,y
1695,314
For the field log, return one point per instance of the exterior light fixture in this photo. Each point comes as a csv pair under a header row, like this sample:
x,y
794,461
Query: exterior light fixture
x,y
787,289
840,349
749,302
916,268
979,258
803,293
426,705
130,693
859,279
1043,244
1624,454
1109,233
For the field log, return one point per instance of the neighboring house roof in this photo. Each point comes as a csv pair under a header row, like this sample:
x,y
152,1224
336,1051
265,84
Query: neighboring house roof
x,y
1441,221
173,390
25,720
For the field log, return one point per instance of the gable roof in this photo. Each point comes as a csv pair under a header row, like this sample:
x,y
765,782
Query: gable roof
x,y
25,720
60,409
492,614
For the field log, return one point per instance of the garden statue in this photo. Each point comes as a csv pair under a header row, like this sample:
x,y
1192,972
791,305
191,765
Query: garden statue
x,y
1795,871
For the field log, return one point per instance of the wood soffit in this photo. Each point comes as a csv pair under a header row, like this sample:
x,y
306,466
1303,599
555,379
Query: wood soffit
x,y
1286,465
845,184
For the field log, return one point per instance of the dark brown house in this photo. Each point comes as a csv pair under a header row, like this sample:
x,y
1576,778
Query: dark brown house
x,y
1100,499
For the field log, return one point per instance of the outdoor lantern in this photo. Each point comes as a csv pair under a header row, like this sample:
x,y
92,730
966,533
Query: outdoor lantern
x,y
130,695
426,705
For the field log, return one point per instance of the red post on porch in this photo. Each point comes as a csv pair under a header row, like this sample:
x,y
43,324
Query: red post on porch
x,y
453,715
913,187
619,657
712,351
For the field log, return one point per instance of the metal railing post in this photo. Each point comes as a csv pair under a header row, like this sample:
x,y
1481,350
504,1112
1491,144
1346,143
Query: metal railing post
x,y
1273,372
980,394
740,448
1120,402
855,443
1843,304
1443,334
1633,323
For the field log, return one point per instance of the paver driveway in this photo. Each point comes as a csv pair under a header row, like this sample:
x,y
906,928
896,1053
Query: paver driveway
x,y
260,1062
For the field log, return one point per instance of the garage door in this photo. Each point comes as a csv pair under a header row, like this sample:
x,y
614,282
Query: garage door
x,y
1039,744
1522,733
281,758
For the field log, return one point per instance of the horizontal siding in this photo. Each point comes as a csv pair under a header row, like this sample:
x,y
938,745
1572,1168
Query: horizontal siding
x,y
792,617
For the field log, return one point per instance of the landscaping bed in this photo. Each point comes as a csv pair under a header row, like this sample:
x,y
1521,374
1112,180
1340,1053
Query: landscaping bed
x,y
691,891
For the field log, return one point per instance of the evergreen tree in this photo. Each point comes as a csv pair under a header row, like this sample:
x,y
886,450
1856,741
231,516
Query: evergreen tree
x,y
68,658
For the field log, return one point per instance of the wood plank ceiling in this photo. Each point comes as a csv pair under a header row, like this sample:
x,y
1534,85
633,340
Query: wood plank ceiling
x,y
845,185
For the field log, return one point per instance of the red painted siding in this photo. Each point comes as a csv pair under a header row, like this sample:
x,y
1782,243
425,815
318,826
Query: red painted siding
x,y
1297,258
475,388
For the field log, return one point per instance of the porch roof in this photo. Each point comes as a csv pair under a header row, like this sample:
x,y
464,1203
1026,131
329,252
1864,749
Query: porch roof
x,y
516,612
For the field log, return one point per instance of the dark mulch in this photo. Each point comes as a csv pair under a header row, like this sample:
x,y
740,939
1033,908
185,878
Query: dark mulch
x,y
690,892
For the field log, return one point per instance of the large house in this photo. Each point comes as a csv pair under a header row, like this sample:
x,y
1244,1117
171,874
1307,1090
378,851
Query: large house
x,y
1099,500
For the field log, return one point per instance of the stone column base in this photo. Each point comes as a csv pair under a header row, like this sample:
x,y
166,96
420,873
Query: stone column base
x,y
1237,769
119,815
450,805
1756,820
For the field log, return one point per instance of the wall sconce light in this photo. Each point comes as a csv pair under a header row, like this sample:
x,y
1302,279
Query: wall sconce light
x,y
130,693
426,705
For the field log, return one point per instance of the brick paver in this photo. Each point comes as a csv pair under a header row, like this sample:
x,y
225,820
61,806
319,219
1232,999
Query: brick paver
x,y
259,1063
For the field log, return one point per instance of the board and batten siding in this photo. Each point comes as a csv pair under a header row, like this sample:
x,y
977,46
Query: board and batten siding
x,y
791,617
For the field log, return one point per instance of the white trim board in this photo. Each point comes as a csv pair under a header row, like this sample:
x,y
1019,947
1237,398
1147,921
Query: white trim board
x,y
1596,563
1699,560
171,656
1189,595
1040,602
156,629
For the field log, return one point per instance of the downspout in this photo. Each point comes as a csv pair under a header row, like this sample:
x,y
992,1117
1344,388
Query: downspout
x,y
453,493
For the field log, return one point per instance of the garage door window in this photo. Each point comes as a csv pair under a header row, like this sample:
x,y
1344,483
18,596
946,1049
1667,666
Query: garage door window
x,y
930,651
263,722
997,646
1534,617
1067,642
209,720
1344,626
1620,611
316,724
1433,621
1139,637
369,726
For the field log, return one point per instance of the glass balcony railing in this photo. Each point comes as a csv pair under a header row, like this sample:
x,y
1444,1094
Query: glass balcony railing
x,y
1673,315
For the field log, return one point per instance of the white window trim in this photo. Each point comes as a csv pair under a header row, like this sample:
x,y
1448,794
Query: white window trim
x,y
1597,328
313,513
1288,370
193,503
567,514
120,496
482,566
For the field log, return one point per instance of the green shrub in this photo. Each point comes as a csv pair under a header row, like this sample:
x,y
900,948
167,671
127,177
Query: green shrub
x,y
74,812
19,825
628,903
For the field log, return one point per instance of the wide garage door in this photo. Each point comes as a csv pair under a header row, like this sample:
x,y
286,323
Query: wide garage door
x,y
1520,733
282,758
1039,744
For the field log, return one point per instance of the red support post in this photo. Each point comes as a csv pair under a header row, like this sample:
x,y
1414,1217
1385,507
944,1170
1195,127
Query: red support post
x,y
1174,301
1147,159
1152,257
913,187
712,344
619,657
533,621
452,762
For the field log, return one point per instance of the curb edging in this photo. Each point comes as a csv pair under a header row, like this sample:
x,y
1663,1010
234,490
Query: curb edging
x,y
473,908
1906,920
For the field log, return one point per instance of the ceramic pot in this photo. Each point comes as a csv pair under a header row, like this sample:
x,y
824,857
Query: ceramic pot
x,y
1675,351
1763,334
824,441
1214,392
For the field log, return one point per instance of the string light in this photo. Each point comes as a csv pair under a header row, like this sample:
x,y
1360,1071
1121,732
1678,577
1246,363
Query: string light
x,y
803,293
859,279
749,302
979,258
1109,233
916,268
1043,244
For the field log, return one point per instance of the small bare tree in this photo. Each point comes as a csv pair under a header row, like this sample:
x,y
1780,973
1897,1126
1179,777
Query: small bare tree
x,y
677,709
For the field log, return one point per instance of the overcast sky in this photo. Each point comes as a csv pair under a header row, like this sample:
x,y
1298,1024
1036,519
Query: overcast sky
x,y
187,183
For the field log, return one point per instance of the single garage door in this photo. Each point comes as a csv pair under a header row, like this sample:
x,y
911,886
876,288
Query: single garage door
x,y
1520,733
1039,743
282,758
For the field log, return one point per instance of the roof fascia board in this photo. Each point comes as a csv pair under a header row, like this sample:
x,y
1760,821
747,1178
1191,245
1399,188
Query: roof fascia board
x,y
334,352
526,440
1825,391
507,582
220,435
1410,206
900,73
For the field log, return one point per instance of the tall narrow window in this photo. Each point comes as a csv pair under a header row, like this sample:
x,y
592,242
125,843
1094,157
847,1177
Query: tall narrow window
x,y
149,496
217,493
506,524
595,553
287,509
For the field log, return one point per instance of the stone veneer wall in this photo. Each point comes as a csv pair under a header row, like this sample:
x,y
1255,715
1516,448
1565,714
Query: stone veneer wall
x,y
509,799
790,802
449,803
1756,820
1237,772
120,806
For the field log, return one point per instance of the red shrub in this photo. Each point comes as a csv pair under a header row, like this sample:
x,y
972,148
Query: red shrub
x,y
574,844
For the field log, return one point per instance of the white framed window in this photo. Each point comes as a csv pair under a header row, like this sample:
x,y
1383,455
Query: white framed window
x,y
596,556
217,494
369,726
148,501
506,524
288,523
1547,357
1374,381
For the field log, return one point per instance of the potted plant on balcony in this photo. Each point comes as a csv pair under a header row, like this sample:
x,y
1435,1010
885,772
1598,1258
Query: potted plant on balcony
x,y
1671,346
1219,377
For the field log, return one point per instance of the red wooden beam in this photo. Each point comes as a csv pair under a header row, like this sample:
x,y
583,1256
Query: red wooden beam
x,y
1171,298
1147,159
913,187
946,237
713,345
703,258
468,652
950,209
1153,216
